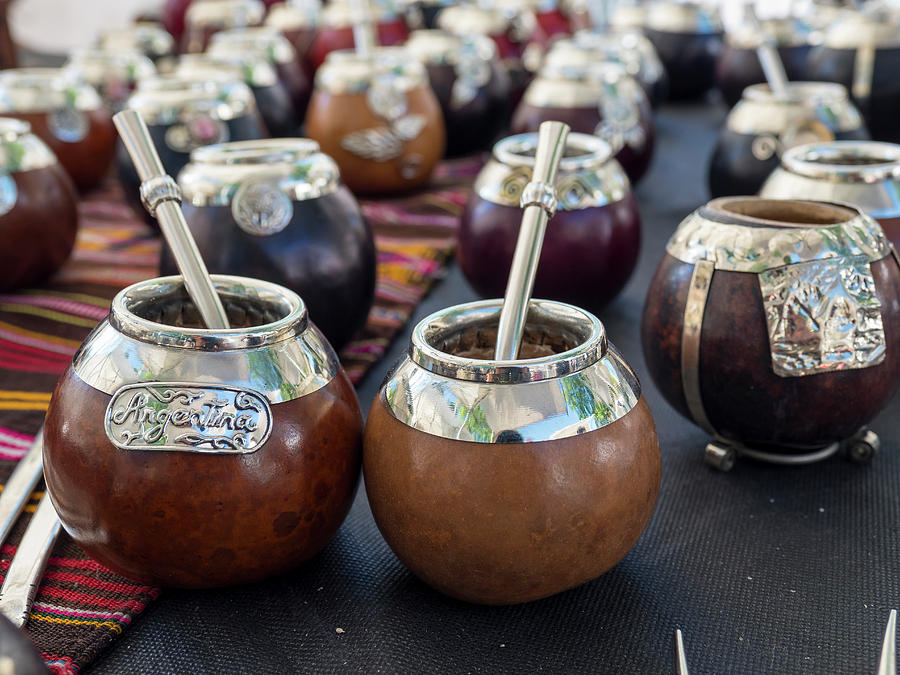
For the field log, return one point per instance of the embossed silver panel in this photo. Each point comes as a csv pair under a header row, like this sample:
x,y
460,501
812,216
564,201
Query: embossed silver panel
x,y
822,315
741,248
188,417
69,125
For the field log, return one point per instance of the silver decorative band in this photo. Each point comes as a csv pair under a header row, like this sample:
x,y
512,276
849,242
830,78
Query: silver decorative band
x,y
158,190
439,392
540,194
769,244
694,309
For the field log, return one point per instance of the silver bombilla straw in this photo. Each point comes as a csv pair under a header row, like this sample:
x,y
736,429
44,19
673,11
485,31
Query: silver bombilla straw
x,y
162,199
363,31
540,202
770,60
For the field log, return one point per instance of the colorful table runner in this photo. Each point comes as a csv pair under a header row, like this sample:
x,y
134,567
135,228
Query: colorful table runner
x,y
81,606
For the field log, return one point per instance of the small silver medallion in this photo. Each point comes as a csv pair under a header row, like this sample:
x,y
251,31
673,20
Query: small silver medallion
x,y
823,315
260,208
188,417
68,125
8,193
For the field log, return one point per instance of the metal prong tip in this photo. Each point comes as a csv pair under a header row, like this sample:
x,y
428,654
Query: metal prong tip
x,y
680,659
887,664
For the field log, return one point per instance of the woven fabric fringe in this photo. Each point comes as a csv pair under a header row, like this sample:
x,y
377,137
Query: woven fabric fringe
x,y
81,606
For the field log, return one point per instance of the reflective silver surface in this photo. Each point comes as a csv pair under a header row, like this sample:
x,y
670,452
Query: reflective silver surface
x,y
344,72
224,13
36,90
822,315
150,39
177,416
295,167
864,173
171,99
683,17
21,150
263,41
290,16
473,20
248,67
628,47
111,71
588,175
573,79
530,400
767,244
281,360
812,111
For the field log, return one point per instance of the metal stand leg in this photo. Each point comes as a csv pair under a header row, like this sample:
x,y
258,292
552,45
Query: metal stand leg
x,y
720,456
862,446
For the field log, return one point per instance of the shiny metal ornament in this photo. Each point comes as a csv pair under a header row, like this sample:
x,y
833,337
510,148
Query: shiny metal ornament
x,y
68,125
823,315
9,193
280,361
570,393
261,208
182,416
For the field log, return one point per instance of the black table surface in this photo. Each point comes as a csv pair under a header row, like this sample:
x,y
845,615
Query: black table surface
x,y
765,568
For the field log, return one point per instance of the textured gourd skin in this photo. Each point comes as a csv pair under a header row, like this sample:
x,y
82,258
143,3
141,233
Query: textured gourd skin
x,y
743,397
196,520
37,235
586,259
505,523
86,161
331,117
326,255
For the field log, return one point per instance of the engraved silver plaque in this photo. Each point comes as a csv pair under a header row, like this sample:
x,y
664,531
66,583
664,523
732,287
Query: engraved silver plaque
x,y
822,315
260,208
188,417
68,125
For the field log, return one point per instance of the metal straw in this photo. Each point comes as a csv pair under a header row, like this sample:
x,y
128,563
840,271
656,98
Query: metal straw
x,y
681,666
363,31
887,664
162,199
540,202
769,59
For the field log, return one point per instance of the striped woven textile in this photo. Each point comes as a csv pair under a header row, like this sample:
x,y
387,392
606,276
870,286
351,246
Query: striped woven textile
x,y
81,606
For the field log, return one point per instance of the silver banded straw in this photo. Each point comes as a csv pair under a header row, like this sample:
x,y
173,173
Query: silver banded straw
x,y
539,201
770,60
162,199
